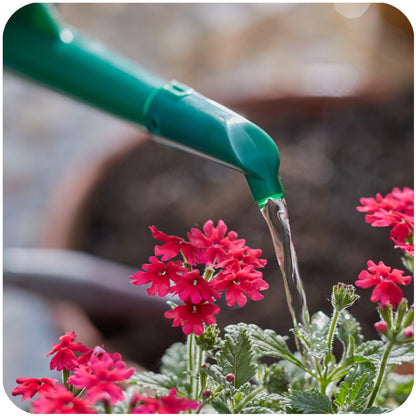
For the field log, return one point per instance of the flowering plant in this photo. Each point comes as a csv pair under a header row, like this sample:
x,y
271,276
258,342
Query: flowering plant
x,y
229,372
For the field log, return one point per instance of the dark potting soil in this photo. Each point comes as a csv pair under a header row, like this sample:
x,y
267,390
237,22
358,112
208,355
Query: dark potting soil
x,y
332,153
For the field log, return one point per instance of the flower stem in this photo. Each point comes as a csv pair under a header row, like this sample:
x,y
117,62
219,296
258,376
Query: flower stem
x,y
107,407
331,332
190,342
65,375
240,405
380,374
194,364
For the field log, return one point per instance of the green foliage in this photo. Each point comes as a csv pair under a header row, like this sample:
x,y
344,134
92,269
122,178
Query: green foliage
x,y
312,380
160,383
396,388
174,361
266,342
265,403
354,391
348,326
236,356
311,401
276,379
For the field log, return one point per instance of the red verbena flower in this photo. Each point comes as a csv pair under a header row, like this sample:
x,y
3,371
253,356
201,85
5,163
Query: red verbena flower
x,y
84,358
60,401
215,242
173,245
192,316
395,210
404,200
100,377
64,352
195,288
160,274
30,386
240,257
385,282
246,281
170,404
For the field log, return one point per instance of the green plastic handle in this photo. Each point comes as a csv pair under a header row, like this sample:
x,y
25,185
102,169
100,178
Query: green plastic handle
x,y
37,44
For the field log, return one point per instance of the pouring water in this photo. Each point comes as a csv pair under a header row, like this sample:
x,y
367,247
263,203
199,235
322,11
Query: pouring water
x,y
276,215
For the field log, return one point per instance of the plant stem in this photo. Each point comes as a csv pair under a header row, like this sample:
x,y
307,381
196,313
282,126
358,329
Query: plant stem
x,y
199,361
195,356
331,332
65,375
380,374
107,407
240,405
190,342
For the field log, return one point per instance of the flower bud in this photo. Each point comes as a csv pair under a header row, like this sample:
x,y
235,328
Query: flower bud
x,y
343,296
209,339
230,377
381,327
206,393
409,331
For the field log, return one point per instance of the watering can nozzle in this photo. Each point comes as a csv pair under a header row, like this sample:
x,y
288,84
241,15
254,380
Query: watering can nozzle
x,y
36,43
182,118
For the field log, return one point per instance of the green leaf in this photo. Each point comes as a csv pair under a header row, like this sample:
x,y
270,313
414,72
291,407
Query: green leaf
x,y
316,336
297,376
370,350
311,401
348,326
265,403
174,361
160,383
219,404
354,391
266,342
216,374
401,354
236,356
376,410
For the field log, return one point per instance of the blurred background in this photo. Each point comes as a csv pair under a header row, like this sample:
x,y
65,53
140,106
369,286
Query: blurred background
x,y
331,83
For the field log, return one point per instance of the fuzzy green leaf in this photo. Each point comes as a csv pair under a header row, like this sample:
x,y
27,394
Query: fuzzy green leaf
x,y
376,410
219,404
348,326
401,354
266,342
354,391
216,374
370,350
311,401
264,403
174,361
160,383
236,356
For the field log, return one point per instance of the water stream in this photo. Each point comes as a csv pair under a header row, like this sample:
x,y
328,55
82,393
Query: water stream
x,y
276,215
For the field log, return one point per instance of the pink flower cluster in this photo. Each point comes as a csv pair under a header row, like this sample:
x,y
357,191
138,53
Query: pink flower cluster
x,y
230,268
395,210
170,404
100,377
385,282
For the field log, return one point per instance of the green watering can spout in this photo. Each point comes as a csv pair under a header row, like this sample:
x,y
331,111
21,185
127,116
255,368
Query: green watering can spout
x,y
37,44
